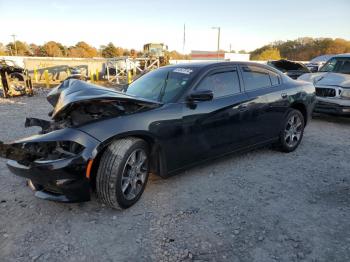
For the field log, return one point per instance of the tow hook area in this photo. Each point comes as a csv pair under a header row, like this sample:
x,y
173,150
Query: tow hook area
x,y
33,186
52,197
42,194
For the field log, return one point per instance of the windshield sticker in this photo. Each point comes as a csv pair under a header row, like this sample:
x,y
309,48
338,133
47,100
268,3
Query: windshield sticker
x,y
185,71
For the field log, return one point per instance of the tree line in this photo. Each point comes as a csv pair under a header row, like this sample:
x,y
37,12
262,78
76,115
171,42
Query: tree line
x,y
301,49
80,50
56,49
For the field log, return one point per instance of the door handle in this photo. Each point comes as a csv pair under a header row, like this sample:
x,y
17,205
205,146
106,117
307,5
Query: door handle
x,y
284,95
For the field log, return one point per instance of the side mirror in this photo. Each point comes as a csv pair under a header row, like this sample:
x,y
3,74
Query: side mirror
x,y
200,95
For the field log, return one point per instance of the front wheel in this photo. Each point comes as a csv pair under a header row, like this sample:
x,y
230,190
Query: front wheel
x,y
292,131
123,172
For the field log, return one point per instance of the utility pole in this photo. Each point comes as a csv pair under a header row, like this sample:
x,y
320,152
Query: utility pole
x,y
219,29
184,40
14,43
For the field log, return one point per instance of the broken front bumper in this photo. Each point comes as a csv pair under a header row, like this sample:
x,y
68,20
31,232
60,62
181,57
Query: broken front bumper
x,y
333,106
62,179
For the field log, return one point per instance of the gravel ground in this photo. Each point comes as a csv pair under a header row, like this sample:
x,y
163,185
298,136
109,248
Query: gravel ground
x,y
259,206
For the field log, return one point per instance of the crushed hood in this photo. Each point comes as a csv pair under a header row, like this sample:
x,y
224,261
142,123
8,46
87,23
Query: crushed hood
x,y
327,79
73,92
286,65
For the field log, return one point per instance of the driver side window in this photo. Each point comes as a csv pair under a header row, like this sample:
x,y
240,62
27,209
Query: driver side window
x,y
222,83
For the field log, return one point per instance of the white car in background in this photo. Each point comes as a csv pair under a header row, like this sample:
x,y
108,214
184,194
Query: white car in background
x,y
316,63
332,83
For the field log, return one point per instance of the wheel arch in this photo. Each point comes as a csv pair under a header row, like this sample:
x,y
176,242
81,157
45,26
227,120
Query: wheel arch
x,y
302,108
158,164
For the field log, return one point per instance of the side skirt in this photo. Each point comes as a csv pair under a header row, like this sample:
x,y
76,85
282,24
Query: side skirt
x,y
235,151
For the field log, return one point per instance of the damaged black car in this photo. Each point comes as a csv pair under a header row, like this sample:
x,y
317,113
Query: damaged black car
x,y
108,141
290,68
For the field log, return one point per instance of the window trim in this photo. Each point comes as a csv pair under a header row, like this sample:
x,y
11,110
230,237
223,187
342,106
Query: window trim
x,y
265,71
278,77
224,69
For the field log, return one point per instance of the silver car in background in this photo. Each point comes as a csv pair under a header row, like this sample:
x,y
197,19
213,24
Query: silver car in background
x,y
332,83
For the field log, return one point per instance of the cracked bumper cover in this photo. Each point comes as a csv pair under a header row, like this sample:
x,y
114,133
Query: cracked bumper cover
x,y
60,180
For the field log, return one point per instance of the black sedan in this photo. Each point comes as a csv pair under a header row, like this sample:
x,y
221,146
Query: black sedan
x,y
166,121
290,68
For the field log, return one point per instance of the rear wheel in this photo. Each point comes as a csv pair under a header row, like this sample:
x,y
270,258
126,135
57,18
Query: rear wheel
x,y
123,172
292,131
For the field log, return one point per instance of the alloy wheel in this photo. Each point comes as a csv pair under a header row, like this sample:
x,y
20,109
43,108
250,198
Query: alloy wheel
x,y
134,174
293,130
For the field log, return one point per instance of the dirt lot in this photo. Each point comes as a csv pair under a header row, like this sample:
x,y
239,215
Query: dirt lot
x,y
259,206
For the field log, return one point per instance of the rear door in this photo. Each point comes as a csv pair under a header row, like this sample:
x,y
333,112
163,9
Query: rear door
x,y
266,105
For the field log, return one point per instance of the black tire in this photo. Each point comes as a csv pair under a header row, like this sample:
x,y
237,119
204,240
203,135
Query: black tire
x,y
294,138
114,169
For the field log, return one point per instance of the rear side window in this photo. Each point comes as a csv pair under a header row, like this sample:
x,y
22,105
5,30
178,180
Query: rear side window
x,y
222,83
255,78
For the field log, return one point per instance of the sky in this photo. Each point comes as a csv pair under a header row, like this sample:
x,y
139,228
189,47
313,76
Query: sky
x,y
246,24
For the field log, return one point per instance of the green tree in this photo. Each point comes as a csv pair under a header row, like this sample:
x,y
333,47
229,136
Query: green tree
x,y
2,49
52,49
63,49
268,54
338,46
82,49
36,50
87,50
22,48
139,54
306,48
176,55
110,51
126,52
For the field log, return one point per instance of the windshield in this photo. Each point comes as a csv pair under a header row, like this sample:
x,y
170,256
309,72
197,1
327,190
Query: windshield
x,y
163,84
337,65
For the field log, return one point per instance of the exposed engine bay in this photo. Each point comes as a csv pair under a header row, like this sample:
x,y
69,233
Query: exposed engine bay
x,y
289,68
82,113
75,103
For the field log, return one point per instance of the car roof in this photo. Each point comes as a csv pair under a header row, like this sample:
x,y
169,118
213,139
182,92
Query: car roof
x,y
321,58
347,55
213,64
204,66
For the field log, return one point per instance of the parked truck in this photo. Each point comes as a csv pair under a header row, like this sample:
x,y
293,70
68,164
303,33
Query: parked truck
x,y
157,51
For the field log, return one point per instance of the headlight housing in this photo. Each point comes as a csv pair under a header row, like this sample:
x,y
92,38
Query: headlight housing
x,y
345,93
54,150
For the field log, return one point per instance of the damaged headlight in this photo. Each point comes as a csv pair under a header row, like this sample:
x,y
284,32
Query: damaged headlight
x,y
53,150
345,93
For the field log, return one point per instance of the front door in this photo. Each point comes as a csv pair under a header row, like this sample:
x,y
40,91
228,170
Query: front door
x,y
213,127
